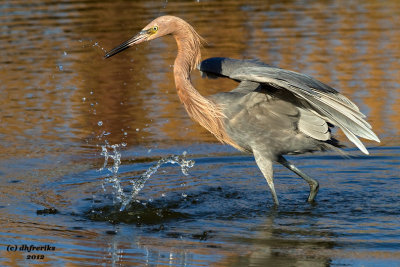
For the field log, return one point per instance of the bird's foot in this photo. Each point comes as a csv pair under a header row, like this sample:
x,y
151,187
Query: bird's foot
x,y
314,187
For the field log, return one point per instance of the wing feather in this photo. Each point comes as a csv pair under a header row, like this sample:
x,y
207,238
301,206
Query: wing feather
x,y
338,109
322,99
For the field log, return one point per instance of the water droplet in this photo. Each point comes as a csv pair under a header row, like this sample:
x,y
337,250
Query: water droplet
x,y
125,133
184,195
163,194
137,129
100,123
91,92
65,53
60,67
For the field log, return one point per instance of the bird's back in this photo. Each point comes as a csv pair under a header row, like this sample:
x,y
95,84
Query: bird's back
x,y
282,105
265,119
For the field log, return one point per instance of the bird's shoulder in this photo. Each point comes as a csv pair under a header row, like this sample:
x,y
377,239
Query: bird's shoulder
x,y
257,71
224,67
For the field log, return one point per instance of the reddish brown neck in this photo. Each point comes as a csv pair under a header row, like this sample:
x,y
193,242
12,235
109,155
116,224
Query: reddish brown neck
x,y
204,111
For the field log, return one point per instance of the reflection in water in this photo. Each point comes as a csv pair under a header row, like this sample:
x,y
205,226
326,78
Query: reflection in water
x,y
273,247
60,101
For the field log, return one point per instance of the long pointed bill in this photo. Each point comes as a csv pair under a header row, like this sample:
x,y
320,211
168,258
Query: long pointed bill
x,y
137,39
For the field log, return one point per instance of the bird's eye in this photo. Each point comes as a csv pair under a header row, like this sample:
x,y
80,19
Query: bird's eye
x,y
155,28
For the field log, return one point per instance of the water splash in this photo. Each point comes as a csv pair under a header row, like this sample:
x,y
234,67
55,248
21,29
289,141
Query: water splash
x,y
138,184
185,165
111,152
115,155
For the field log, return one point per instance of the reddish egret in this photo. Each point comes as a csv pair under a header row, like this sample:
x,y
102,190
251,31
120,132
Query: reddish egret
x,y
273,112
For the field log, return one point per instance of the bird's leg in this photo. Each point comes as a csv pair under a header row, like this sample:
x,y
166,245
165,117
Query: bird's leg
x,y
265,166
314,185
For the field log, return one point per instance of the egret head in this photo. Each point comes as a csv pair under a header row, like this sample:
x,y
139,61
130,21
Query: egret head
x,y
157,28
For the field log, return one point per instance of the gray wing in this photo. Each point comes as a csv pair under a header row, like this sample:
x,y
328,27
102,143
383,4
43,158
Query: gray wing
x,y
313,94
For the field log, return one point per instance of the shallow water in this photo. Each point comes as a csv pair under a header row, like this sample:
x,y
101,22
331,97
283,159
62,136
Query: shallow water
x,y
61,102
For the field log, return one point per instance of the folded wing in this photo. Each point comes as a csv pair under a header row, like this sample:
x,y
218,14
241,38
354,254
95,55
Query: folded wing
x,y
314,95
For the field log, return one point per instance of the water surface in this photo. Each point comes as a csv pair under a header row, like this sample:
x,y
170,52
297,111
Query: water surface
x,y
61,102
